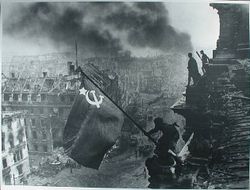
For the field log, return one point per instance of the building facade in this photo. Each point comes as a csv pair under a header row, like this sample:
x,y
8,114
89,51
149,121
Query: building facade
x,y
47,102
15,157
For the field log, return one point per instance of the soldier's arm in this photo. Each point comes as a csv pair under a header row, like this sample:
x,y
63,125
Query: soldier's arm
x,y
207,58
152,131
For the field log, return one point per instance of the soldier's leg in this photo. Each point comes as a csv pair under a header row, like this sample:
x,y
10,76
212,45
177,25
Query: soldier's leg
x,y
189,79
203,70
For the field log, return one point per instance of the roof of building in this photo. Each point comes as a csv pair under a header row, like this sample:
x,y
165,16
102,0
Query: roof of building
x,y
8,114
41,84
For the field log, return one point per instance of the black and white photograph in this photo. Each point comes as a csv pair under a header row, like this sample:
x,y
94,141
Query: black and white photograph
x,y
128,94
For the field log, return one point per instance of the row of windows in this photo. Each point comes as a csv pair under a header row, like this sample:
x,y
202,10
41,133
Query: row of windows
x,y
18,155
34,97
20,137
64,99
43,122
35,136
39,110
19,169
44,148
24,97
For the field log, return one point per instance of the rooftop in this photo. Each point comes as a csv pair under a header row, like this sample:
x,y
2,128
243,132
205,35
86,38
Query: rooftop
x,y
8,114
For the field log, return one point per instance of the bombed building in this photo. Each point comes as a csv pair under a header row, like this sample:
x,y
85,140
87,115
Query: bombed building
x,y
47,101
15,158
217,108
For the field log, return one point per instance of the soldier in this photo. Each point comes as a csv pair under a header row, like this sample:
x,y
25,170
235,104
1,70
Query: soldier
x,y
205,60
168,139
164,165
192,70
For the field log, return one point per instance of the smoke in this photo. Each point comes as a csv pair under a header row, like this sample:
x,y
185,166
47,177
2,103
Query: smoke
x,y
99,28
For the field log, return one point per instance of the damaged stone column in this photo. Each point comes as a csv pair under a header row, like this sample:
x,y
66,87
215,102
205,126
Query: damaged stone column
x,y
233,40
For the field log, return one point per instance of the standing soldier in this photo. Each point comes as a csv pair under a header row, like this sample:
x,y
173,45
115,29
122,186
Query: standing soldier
x,y
192,70
205,60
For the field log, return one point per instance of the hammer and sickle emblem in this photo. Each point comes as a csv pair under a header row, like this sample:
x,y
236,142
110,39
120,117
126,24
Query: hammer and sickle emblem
x,y
96,102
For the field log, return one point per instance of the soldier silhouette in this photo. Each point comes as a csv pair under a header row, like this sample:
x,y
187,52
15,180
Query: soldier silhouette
x,y
165,164
205,60
193,71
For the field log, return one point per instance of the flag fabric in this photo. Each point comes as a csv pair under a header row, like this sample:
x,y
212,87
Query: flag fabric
x,y
93,126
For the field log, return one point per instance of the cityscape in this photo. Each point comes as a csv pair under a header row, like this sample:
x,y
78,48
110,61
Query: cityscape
x,y
206,145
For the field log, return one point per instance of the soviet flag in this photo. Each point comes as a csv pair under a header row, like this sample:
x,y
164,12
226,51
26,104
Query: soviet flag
x,y
92,127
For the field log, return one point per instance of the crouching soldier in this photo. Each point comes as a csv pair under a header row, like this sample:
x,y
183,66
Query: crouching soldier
x,y
165,166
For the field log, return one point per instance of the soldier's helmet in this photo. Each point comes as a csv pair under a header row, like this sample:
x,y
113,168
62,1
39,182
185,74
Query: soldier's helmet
x,y
202,51
158,120
189,54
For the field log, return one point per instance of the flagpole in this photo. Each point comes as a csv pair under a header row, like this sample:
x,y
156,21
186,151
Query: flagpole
x,y
76,54
125,113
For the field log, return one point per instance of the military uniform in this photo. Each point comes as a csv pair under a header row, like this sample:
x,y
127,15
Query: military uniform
x,y
193,71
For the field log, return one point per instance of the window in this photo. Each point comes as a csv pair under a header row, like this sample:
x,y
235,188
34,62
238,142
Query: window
x,y
43,123
11,140
62,98
6,97
15,158
44,135
18,155
21,153
9,124
15,97
3,141
20,135
24,97
7,180
43,97
41,110
27,86
35,147
33,97
20,169
33,121
31,110
34,135
26,134
5,163
45,148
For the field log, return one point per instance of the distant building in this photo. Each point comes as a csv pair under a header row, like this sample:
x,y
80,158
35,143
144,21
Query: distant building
x,y
15,157
47,101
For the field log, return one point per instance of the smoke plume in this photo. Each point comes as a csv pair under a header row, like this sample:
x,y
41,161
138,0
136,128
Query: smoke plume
x,y
99,28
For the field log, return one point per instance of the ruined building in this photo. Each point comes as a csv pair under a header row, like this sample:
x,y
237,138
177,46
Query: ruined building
x,y
15,158
48,100
217,109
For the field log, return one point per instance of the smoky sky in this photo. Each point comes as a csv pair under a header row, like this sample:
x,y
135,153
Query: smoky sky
x,y
99,28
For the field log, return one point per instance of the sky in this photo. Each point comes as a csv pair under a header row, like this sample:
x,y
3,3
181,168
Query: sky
x,y
186,23
199,20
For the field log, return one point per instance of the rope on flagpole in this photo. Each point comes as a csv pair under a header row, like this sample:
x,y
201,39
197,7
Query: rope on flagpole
x,y
125,113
